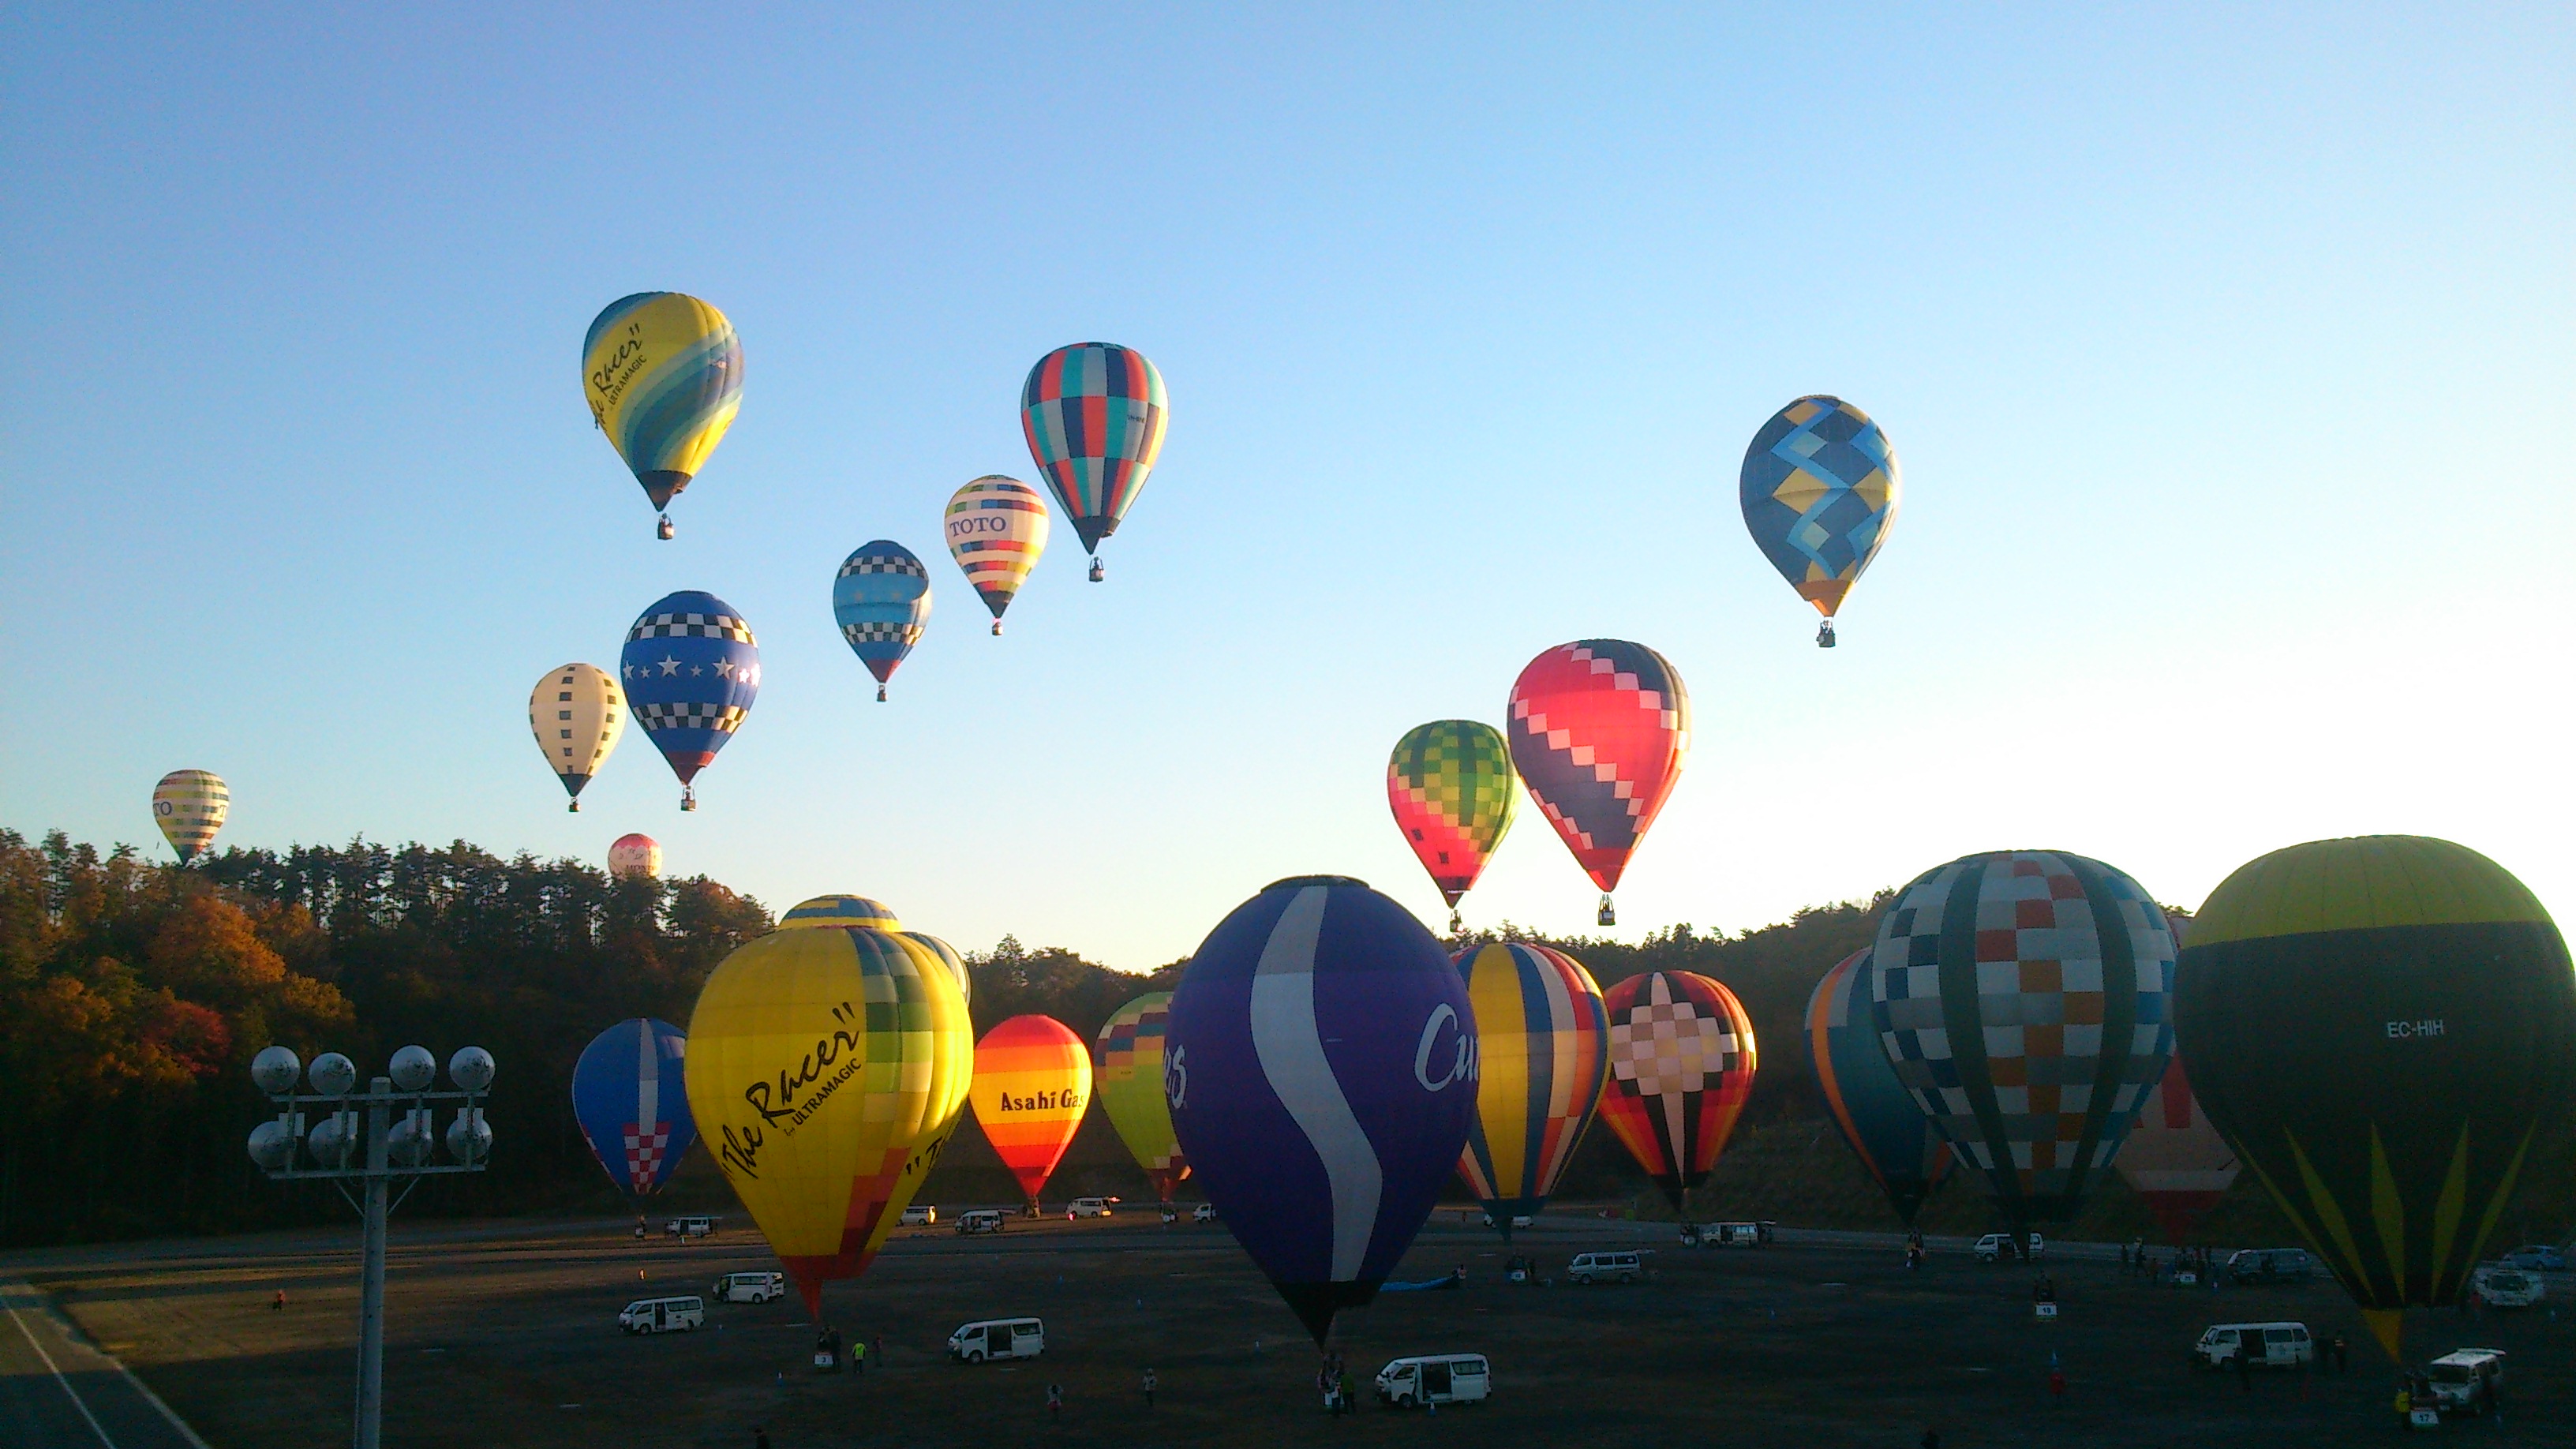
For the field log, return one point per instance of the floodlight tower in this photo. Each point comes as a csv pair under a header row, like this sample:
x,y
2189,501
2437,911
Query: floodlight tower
x,y
394,1147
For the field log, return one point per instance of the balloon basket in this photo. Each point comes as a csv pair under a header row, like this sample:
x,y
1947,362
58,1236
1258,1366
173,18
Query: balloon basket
x,y
1609,914
881,694
663,530
1825,635
1457,924
997,628
688,799
572,807
1098,572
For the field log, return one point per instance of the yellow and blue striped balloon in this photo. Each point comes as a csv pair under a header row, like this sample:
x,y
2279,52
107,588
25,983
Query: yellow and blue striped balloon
x,y
1542,1055
663,374
189,806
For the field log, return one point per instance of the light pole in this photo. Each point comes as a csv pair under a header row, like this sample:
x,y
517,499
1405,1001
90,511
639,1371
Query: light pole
x,y
394,1147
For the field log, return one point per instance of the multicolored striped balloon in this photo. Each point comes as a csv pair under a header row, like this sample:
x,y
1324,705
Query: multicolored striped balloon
x,y
635,857
1127,1062
1681,1065
1451,786
577,714
1819,491
997,530
1032,1083
2025,998
881,600
1599,730
1542,1054
663,375
1881,1120
190,806
2175,1160
691,670
1094,415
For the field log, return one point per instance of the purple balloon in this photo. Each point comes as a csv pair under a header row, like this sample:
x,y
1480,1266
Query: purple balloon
x,y
1320,1063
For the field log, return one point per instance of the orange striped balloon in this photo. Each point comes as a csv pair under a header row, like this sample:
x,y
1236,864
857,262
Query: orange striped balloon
x,y
1032,1082
997,528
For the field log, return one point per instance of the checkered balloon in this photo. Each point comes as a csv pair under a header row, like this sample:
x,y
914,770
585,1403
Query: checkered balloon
x,y
691,671
2025,999
1681,1065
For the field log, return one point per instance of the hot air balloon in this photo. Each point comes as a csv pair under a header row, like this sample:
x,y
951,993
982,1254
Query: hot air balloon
x,y
1599,731
1094,416
190,806
997,529
1542,1053
2023,998
2382,1026
1681,1064
881,599
828,1062
1885,1126
576,714
1819,489
691,671
1321,1070
1032,1082
956,964
1451,786
1128,1059
635,857
2175,1159
663,373
628,1095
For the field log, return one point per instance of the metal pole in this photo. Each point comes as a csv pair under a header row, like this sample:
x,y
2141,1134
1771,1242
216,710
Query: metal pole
x,y
371,1292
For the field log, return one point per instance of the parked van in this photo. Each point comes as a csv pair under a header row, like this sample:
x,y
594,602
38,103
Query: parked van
x,y
663,1315
703,1225
919,1215
2501,1287
1995,1247
980,1220
1204,1213
749,1287
2273,1345
1088,1207
1626,1267
1443,1378
993,1338
2466,1380
2270,1265
1736,1235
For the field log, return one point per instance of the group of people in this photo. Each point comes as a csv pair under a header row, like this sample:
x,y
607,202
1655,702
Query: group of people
x,y
827,1352
2136,1258
1334,1383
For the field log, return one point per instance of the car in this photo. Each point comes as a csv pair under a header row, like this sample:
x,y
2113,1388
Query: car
x,y
1625,1267
697,1225
2466,1380
990,1338
749,1288
919,1215
1995,1247
2273,1345
2536,1258
2498,1286
1735,1235
1519,1220
1204,1213
1088,1207
663,1315
2270,1265
1442,1378
980,1220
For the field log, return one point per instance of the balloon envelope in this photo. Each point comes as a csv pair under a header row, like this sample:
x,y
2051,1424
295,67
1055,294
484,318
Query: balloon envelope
x,y
691,670
190,806
1451,786
1094,414
1032,1082
637,856
1321,1071
2175,1158
630,1096
2023,997
1819,490
1542,1053
881,600
1885,1126
663,374
1129,1079
997,530
1681,1064
576,713
2382,1027
1599,729
828,1063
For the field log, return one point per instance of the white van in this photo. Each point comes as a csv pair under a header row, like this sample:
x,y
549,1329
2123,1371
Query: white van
x,y
2467,1380
1441,1378
700,1225
992,1338
1994,1247
919,1215
980,1220
1089,1207
663,1315
2274,1345
2501,1287
1626,1267
749,1287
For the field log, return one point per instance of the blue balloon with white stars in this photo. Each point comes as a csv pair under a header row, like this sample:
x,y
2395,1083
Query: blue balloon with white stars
x,y
691,670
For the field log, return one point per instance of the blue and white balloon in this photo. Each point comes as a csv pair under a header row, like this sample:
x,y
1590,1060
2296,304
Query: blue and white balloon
x,y
691,671
881,600
629,1094
1321,1070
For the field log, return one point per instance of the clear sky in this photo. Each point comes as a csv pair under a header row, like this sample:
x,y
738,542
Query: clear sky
x,y
2229,356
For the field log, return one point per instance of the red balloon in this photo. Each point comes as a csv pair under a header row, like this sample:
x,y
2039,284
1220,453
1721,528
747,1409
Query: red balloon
x,y
1681,1065
1599,728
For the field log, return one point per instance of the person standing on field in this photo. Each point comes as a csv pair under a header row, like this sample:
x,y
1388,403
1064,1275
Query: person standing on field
x,y
1055,1402
1149,1388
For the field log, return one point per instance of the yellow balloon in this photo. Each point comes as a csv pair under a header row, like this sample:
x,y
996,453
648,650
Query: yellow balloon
x,y
190,806
577,712
828,1061
663,374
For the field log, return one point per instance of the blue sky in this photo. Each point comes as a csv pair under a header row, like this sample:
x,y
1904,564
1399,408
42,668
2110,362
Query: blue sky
x,y
2228,357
